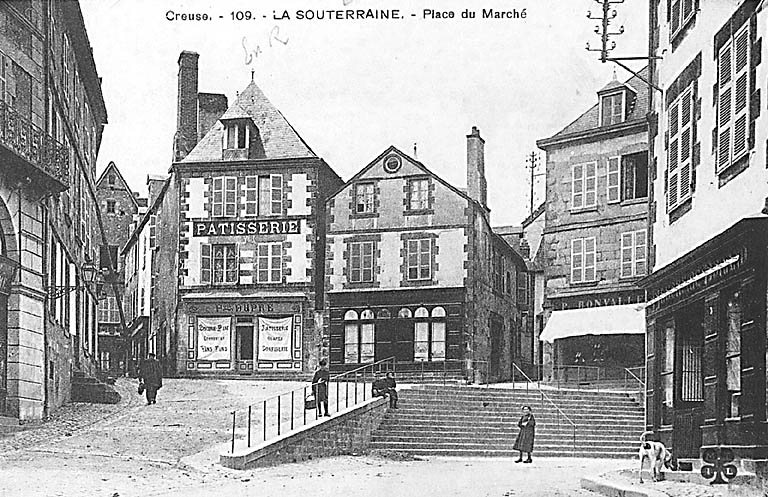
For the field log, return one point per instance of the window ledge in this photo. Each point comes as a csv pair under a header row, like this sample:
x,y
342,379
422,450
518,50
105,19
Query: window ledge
x,y
418,212
635,201
680,210
363,215
582,284
733,420
631,278
582,210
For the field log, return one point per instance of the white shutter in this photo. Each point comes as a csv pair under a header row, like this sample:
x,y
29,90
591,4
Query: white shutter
x,y
672,158
741,93
686,130
724,108
627,248
675,17
590,184
589,259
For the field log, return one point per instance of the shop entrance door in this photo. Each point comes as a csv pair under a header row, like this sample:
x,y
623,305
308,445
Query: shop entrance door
x,y
394,338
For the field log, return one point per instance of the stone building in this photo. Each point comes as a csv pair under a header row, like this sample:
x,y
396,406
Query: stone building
x,y
51,119
706,314
119,206
415,272
595,234
244,207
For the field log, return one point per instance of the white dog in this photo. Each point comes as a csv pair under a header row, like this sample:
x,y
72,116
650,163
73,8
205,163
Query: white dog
x,y
657,454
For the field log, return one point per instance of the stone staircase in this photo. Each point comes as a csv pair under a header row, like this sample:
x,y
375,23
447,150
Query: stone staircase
x,y
86,388
480,421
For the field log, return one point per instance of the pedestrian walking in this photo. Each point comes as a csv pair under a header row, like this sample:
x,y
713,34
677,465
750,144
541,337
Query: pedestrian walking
x,y
524,441
320,387
151,375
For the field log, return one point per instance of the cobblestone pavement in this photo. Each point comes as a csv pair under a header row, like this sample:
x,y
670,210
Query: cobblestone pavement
x,y
171,449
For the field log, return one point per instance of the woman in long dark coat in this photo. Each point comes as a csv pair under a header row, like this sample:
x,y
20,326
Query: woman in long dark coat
x,y
524,441
320,387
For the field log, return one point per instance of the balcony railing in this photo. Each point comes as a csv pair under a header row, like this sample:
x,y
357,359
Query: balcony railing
x,y
31,146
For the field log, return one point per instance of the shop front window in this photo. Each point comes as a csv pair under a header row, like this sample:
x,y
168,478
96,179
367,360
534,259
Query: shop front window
x,y
429,335
733,354
668,375
358,337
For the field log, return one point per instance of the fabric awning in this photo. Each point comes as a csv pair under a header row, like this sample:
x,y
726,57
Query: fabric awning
x,y
609,320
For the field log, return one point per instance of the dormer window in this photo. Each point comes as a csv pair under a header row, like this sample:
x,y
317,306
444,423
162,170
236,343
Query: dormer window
x,y
612,108
241,140
237,134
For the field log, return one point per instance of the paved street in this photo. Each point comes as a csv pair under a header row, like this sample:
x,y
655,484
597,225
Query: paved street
x,y
170,449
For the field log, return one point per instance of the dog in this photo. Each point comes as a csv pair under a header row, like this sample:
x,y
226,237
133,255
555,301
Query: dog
x,y
657,454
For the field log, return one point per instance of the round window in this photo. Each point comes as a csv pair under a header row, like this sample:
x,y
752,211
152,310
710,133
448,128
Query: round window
x,y
392,164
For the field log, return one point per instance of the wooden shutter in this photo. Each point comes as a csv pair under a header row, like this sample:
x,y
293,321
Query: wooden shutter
x,y
672,158
741,93
589,259
577,186
724,72
674,25
590,184
627,249
686,130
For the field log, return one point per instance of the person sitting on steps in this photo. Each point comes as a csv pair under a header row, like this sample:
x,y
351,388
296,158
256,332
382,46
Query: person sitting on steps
x,y
386,386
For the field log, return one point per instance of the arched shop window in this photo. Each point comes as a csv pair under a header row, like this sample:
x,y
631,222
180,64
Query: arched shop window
x,y
358,337
429,339
404,313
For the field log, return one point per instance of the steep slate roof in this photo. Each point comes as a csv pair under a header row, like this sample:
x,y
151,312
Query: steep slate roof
x,y
591,118
113,167
279,138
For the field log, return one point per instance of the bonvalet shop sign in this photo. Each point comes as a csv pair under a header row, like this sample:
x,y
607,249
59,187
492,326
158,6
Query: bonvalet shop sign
x,y
249,227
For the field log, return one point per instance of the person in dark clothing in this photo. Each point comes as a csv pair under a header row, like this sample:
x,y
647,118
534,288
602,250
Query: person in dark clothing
x,y
320,387
151,374
524,441
386,386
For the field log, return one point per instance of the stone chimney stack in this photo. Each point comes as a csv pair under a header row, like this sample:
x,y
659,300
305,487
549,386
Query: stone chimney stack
x,y
186,115
211,106
154,186
477,188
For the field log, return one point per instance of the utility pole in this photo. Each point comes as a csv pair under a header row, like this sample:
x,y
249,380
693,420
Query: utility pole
x,y
533,161
608,15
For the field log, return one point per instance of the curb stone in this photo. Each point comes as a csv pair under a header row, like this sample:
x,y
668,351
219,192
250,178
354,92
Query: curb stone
x,y
612,489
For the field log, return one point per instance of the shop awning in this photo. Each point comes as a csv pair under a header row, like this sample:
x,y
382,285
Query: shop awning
x,y
609,320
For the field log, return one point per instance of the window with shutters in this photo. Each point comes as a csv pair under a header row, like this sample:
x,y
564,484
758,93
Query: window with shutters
x,y
680,149
251,195
633,248
224,202
219,264
634,176
681,12
733,99
269,260
583,260
583,185
418,194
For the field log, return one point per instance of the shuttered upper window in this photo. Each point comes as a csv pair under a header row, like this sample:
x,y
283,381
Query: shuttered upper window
x,y
583,185
733,99
679,152
680,12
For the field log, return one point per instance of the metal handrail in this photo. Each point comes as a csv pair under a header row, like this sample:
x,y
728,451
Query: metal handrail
x,y
633,375
545,396
278,398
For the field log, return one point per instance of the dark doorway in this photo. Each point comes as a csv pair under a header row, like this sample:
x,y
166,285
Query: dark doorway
x,y
689,380
497,345
394,338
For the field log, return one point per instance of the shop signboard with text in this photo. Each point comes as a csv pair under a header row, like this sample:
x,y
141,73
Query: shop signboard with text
x,y
213,338
275,339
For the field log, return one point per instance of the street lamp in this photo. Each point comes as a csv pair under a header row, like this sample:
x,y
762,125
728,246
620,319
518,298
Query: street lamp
x,y
90,275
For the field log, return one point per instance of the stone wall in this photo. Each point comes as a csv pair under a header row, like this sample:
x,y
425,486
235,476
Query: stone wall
x,y
346,432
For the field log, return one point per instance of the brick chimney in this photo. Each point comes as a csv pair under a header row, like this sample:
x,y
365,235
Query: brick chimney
x,y
477,187
186,114
211,106
154,186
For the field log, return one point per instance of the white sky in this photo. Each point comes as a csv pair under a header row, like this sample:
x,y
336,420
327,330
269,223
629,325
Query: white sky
x,y
351,88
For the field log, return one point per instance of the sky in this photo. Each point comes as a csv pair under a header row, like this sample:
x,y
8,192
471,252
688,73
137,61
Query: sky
x,y
351,88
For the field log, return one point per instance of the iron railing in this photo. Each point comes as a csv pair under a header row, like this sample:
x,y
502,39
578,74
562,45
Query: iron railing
x,y
285,412
559,414
591,377
34,145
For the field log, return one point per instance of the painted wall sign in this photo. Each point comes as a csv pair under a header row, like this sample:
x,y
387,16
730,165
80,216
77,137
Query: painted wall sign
x,y
238,228
588,301
213,338
275,339
244,308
